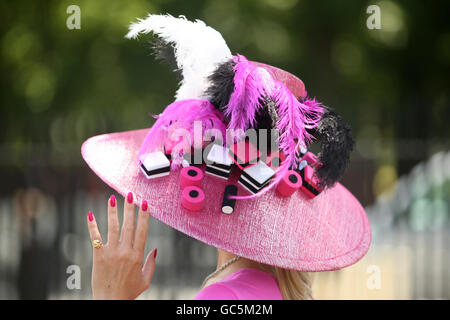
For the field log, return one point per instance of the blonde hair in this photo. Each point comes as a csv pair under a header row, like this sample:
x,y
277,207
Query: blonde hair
x,y
293,284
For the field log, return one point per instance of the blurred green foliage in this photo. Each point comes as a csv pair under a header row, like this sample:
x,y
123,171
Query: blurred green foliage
x,y
61,86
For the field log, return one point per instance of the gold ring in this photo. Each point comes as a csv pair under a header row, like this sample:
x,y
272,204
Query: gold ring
x,y
97,244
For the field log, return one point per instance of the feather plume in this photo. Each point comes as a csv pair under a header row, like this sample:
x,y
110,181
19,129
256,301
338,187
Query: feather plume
x,y
295,118
251,86
221,85
165,52
335,136
198,49
181,115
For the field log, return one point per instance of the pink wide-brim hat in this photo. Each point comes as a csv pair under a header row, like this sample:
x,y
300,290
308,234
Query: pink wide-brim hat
x,y
328,232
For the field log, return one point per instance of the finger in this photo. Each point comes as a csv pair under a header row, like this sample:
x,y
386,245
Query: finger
x,y
141,228
127,233
113,221
93,231
149,267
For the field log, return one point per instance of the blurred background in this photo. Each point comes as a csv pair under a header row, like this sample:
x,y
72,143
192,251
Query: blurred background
x,y
61,86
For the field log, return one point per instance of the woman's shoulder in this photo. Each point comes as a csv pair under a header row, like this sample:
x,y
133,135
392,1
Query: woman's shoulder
x,y
216,291
243,284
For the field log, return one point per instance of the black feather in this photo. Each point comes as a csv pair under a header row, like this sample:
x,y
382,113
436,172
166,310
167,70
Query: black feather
x,y
165,51
222,85
267,118
337,142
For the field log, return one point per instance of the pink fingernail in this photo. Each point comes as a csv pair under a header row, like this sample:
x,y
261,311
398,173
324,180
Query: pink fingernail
x,y
154,255
112,201
144,205
90,216
130,197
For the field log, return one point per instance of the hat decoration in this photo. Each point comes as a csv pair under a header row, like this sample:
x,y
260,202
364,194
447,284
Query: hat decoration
x,y
176,121
200,158
230,92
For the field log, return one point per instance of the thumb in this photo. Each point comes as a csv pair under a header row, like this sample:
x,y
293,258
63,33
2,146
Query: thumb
x,y
149,267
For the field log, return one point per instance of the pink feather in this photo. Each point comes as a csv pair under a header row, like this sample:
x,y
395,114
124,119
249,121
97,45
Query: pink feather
x,y
294,117
251,84
182,114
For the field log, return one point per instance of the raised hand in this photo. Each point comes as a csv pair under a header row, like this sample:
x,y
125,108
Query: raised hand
x,y
117,271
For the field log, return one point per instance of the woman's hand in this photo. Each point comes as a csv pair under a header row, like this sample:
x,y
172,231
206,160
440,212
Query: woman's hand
x,y
117,271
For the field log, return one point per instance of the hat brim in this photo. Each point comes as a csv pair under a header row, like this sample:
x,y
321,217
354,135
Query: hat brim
x,y
328,232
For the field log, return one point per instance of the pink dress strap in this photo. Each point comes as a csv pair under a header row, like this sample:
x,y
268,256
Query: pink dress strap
x,y
243,284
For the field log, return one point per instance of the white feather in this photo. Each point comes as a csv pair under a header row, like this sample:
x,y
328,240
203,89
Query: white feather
x,y
198,49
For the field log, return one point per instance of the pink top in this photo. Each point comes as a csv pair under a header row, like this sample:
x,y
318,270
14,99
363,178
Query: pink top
x,y
243,284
